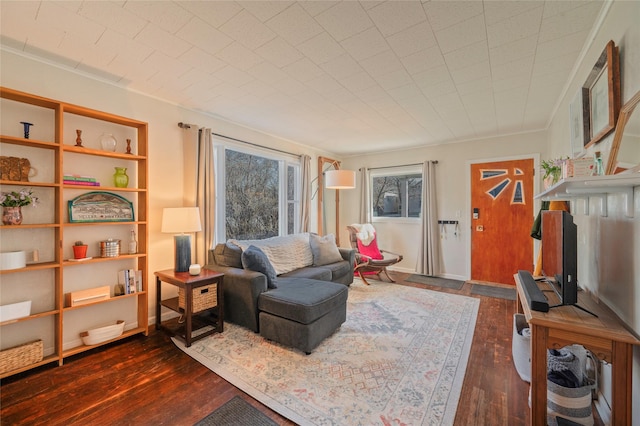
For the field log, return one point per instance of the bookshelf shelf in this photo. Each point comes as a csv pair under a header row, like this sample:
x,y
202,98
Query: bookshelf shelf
x,y
110,300
83,348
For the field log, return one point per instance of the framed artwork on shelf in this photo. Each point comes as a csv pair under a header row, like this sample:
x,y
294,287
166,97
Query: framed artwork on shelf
x,y
601,96
100,207
576,122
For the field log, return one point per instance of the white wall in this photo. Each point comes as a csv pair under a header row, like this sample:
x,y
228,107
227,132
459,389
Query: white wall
x,y
609,247
165,138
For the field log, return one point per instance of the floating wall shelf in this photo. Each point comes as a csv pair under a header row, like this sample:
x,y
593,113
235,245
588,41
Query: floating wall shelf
x,y
595,186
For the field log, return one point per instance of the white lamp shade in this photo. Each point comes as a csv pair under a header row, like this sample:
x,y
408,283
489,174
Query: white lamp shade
x,y
340,179
177,220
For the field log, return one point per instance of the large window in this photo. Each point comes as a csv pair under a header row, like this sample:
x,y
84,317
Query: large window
x,y
396,195
257,194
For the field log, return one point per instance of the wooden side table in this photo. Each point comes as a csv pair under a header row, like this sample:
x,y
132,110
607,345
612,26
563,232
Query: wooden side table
x,y
213,317
605,335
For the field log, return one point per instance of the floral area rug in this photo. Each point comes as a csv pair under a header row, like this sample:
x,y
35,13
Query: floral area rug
x,y
399,359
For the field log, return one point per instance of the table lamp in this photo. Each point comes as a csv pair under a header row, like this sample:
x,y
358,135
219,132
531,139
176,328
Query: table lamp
x,y
179,221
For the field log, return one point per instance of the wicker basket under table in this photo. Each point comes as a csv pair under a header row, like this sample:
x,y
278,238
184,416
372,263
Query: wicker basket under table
x,y
203,298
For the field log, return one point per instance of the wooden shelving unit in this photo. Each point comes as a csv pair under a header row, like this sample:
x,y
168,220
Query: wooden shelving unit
x,y
53,153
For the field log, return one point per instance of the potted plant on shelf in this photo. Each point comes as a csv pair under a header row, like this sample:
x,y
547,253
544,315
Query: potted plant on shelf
x,y
80,250
552,171
12,203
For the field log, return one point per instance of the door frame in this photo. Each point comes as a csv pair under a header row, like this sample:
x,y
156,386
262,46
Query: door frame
x,y
535,207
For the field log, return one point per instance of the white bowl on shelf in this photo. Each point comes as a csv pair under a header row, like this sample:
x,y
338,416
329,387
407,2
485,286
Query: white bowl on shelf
x,y
15,311
102,334
13,260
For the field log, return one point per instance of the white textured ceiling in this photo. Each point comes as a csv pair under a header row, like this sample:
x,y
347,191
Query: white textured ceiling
x,y
348,77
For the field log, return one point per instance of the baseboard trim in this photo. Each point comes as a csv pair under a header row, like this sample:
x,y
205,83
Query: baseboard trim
x,y
413,271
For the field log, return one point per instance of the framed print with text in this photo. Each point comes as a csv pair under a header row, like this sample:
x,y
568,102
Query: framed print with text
x,y
100,206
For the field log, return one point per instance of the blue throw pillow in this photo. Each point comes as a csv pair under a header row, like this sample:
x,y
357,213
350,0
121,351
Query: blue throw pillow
x,y
254,259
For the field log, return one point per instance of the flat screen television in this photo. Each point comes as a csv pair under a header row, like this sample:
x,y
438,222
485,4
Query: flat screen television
x,y
560,254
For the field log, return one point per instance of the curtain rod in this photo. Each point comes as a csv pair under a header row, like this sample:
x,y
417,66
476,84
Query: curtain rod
x,y
188,126
401,165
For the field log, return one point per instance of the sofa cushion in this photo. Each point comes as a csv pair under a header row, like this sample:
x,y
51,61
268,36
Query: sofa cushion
x,y
324,249
254,259
338,270
303,300
286,253
314,273
228,255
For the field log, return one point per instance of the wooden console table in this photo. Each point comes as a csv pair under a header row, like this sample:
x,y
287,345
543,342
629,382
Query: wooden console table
x,y
606,336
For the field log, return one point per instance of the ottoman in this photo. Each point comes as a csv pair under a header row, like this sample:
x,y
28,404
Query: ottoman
x,y
302,312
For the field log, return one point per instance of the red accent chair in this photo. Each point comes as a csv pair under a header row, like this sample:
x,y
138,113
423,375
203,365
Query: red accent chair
x,y
370,260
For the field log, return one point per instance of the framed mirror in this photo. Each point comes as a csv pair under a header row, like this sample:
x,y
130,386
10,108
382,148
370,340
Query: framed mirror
x,y
625,148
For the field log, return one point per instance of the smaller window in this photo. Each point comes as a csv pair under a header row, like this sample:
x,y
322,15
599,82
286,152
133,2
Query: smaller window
x,y
396,195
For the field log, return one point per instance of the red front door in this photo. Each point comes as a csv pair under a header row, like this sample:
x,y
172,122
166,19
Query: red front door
x,y
502,216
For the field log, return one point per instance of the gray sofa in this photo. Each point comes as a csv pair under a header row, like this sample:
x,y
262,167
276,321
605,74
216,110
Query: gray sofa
x,y
308,303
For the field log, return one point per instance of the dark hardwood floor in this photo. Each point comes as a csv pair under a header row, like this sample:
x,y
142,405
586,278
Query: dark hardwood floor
x,y
149,381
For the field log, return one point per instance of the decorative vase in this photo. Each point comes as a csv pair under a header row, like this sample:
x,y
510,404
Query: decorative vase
x,y
548,182
551,179
26,127
120,178
108,142
80,252
12,215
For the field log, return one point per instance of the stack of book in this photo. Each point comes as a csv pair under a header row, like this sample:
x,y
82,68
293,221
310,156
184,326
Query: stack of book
x,y
80,180
131,280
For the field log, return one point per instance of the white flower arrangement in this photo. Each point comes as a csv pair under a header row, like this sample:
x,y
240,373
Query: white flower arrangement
x,y
22,198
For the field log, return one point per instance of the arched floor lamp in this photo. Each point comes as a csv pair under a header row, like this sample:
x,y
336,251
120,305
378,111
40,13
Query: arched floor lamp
x,y
332,179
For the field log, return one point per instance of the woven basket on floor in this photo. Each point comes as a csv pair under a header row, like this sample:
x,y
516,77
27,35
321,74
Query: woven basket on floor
x,y
203,298
20,356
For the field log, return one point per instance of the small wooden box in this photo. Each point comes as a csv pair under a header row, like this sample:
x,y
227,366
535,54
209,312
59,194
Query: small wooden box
x,y
90,295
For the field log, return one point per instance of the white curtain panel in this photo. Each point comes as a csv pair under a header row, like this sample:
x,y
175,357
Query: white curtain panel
x,y
206,195
365,205
305,197
190,151
428,253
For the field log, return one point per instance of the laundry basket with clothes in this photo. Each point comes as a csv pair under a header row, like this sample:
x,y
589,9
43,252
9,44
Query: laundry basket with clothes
x,y
569,386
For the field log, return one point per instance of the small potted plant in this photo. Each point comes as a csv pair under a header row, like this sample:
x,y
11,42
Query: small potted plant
x,y
552,171
12,203
80,250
